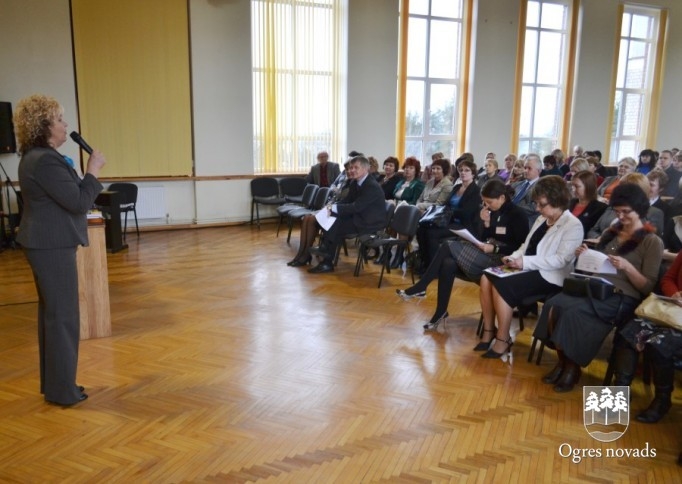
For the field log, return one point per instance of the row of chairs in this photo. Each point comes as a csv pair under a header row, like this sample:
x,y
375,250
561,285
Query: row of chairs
x,y
271,191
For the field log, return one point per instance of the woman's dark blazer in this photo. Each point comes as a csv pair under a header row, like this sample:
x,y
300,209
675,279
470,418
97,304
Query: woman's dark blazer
x,y
389,186
469,208
590,215
509,228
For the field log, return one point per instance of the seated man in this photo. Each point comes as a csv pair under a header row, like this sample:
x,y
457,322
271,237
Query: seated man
x,y
363,211
523,189
324,172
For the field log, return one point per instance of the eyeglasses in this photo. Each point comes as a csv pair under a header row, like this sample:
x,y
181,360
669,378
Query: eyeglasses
x,y
622,213
541,205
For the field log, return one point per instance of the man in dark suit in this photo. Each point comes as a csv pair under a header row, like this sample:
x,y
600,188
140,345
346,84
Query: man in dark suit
x,y
363,211
324,172
523,190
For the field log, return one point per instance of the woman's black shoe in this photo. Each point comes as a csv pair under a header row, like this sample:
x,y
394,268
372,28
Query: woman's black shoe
x,y
484,345
491,354
553,376
84,396
569,377
300,263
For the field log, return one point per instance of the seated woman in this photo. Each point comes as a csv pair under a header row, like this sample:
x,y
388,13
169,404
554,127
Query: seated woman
x,y
391,176
438,188
465,202
505,172
578,164
309,226
518,173
661,344
625,166
505,227
585,205
545,256
490,172
410,187
577,326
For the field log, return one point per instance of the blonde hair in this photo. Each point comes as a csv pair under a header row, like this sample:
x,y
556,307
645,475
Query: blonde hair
x,y
580,164
637,179
33,118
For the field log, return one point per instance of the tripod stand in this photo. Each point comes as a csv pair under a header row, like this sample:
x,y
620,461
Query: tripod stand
x,y
5,239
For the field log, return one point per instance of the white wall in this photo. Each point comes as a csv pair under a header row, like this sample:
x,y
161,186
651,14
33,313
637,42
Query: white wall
x,y
372,81
36,56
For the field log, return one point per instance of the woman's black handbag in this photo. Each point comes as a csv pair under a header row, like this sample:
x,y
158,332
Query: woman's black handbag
x,y
436,216
594,290
586,287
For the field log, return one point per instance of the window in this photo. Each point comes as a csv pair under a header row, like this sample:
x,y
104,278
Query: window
x,y
298,105
543,89
433,77
634,81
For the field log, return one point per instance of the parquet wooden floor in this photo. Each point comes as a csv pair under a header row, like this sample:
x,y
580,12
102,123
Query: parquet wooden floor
x,y
225,365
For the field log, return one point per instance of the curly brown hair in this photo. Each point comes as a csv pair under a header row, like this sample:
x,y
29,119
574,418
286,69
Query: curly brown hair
x,y
413,161
33,119
554,189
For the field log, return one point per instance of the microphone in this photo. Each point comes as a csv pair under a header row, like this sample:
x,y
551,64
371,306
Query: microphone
x,y
81,142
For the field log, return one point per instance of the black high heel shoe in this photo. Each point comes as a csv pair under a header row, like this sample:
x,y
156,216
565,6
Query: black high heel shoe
x,y
485,345
300,263
433,325
494,354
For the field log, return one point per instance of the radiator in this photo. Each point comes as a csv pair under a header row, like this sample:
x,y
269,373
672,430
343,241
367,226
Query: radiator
x,y
151,202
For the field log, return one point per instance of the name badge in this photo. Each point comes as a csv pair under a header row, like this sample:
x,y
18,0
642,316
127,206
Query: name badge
x,y
500,230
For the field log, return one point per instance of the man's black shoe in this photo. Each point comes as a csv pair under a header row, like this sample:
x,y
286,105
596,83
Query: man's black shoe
x,y
321,268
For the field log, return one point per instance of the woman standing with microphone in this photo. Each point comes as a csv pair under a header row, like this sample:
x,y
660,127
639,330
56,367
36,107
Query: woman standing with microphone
x,y
54,224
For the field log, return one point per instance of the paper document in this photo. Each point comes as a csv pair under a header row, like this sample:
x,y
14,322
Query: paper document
x,y
466,235
595,262
503,271
594,278
324,219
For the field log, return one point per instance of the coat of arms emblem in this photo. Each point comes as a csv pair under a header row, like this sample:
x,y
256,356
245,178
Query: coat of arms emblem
x,y
606,411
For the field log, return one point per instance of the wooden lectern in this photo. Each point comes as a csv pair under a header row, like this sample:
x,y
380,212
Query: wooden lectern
x,y
93,285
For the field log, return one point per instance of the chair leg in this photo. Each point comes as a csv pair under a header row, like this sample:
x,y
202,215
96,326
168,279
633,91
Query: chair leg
x,y
532,347
279,222
290,223
358,263
257,215
137,228
540,351
479,331
252,204
125,225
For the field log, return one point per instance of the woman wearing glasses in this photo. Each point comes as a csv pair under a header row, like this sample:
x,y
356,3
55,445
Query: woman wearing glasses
x,y
576,326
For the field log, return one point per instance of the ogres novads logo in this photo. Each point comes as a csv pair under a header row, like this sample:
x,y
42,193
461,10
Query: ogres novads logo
x,y
606,412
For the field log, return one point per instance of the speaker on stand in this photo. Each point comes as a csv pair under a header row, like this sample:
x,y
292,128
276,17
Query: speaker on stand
x,y
7,145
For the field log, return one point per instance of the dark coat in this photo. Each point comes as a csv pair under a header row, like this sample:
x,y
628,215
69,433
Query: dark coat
x,y
333,171
590,215
466,214
365,205
56,201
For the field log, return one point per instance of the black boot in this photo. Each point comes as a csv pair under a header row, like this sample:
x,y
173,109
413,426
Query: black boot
x,y
664,376
569,377
624,359
552,377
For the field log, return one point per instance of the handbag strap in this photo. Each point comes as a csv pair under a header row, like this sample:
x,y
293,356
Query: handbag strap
x,y
615,319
